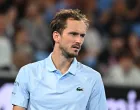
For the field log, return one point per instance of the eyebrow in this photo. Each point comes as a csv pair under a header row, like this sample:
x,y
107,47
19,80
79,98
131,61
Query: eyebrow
x,y
76,33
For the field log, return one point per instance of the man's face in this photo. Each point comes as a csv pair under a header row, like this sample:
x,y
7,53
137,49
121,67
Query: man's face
x,y
72,38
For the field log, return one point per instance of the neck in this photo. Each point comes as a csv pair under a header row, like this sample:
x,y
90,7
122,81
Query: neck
x,y
60,61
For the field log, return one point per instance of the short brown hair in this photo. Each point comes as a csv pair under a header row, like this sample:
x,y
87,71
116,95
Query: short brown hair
x,y
59,21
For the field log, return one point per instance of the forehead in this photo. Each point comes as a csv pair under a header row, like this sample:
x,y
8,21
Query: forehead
x,y
76,25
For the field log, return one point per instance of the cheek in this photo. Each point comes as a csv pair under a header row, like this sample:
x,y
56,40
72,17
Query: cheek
x,y
83,40
68,41
65,43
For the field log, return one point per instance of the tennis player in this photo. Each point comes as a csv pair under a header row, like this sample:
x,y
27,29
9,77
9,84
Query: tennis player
x,y
60,82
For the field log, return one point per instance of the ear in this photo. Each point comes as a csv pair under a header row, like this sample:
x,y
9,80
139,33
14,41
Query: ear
x,y
56,36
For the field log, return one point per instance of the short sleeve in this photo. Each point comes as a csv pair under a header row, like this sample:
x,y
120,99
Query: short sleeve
x,y
97,100
20,93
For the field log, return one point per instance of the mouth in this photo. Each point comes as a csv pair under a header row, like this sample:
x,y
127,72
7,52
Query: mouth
x,y
76,47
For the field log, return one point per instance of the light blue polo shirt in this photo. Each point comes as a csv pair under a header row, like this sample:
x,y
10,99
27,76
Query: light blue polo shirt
x,y
40,86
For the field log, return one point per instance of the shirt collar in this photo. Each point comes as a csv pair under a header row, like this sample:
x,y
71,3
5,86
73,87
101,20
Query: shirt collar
x,y
51,66
49,63
73,67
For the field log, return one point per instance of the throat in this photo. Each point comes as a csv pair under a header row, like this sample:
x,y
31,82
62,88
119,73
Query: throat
x,y
63,71
63,67
61,63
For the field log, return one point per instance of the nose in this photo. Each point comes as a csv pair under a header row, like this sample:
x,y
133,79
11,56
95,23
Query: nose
x,y
79,39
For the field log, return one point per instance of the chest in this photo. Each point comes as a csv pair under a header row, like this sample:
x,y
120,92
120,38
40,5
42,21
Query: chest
x,y
60,91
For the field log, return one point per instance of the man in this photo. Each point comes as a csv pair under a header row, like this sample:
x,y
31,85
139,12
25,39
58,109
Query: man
x,y
60,82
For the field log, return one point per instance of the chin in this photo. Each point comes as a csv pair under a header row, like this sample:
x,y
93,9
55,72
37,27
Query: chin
x,y
73,54
69,54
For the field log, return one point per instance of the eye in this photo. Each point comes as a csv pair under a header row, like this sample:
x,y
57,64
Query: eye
x,y
82,35
74,33
77,34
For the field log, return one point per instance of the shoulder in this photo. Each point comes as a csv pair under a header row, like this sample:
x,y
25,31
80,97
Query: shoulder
x,y
33,68
35,65
90,76
88,71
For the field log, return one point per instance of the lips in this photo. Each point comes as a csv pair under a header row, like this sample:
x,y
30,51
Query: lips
x,y
76,46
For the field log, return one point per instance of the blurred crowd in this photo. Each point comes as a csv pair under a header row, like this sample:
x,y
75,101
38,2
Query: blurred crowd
x,y
112,43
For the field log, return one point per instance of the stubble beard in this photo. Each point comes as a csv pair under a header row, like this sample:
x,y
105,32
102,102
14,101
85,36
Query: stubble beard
x,y
67,54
